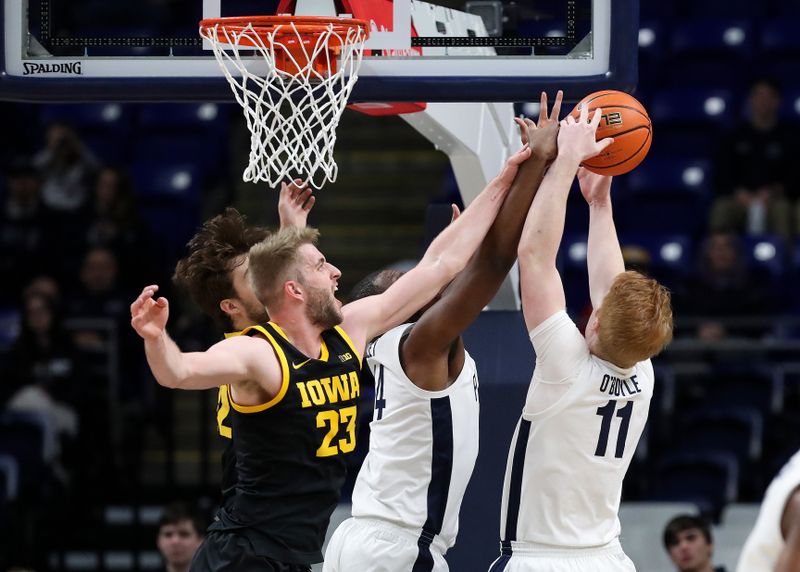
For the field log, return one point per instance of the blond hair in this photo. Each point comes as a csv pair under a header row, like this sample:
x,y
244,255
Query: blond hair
x,y
635,319
275,259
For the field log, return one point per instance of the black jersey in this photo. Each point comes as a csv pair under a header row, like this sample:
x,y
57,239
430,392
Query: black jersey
x,y
290,452
228,483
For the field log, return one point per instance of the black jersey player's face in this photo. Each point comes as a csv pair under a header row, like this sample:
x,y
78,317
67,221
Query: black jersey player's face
x,y
320,279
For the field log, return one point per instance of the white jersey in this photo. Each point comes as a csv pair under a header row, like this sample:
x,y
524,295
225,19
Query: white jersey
x,y
422,447
579,429
765,543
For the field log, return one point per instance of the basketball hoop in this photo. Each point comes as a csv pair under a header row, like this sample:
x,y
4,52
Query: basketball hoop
x,y
293,106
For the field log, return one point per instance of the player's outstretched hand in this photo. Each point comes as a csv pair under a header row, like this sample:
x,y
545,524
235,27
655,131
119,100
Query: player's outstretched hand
x,y
594,188
576,139
506,177
542,136
294,203
149,315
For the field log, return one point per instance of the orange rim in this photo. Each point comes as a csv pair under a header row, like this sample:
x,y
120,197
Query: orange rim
x,y
266,25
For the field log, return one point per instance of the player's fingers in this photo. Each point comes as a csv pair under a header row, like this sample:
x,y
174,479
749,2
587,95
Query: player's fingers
x,y
309,203
543,107
584,114
568,120
147,292
302,196
520,155
523,129
603,143
456,212
596,118
161,302
557,106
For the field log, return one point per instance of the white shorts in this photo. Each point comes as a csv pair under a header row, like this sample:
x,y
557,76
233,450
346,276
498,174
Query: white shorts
x,y
529,557
371,545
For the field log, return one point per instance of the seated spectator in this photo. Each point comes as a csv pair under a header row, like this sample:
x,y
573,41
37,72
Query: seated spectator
x,y
101,298
25,223
111,219
180,534
98,296
753,170
689,544
722,286
44,285
66,166
43,366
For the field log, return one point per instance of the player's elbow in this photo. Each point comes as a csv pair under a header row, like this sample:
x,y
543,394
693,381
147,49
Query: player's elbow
x,y
534,258
168,382
448,266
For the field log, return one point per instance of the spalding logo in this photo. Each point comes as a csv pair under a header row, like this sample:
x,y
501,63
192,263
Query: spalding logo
x,y
72,68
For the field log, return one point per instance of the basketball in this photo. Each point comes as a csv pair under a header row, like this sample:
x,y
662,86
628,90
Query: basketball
x,y
624,119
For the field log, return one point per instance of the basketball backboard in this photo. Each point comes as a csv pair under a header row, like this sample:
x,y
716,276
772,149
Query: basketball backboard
x,y
442,50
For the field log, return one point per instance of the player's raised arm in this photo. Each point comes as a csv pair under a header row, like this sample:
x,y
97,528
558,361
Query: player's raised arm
x,y
446,256
604,256
295,201
790,528
542,291
433,335
233,360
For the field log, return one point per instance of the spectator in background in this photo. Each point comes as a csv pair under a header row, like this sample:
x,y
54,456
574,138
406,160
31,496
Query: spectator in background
x,y
722,286
66,166
111,219
753,170
180,534
24,225
44,285
43,367
689,544
99,295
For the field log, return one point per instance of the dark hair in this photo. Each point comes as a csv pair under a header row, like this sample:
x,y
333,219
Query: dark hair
x,y
206,272
684,522
768,81
375,283
178,512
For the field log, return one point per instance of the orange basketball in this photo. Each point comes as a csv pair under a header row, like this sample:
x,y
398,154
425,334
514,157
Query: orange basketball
x,y
624,119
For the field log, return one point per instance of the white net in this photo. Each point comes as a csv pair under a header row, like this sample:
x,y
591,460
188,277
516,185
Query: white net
x,y
292,115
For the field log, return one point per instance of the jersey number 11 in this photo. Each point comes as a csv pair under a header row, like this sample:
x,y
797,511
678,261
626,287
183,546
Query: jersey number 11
x,y
607,413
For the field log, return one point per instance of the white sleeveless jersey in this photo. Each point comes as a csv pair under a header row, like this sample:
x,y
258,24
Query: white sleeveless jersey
x,y
579,429
422,446
765,543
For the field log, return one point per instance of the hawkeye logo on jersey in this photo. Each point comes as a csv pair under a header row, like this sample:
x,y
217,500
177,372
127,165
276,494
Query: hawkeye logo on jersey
x,y
345,357
329,389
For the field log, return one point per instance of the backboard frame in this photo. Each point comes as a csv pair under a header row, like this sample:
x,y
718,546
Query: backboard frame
x,y
22,81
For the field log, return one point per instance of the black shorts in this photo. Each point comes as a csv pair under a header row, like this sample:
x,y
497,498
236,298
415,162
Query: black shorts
x,y
225,552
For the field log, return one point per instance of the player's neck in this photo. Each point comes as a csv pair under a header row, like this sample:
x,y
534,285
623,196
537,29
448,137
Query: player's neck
x,y
302,333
